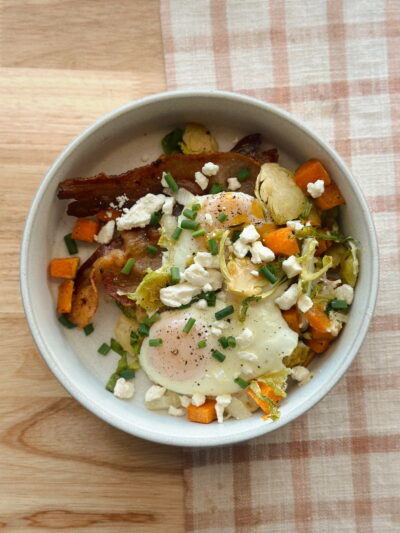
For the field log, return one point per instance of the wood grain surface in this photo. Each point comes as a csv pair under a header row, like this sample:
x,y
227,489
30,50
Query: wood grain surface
x,y
64,64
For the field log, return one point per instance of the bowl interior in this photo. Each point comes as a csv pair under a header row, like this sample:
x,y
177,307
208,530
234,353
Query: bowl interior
x,y
130,137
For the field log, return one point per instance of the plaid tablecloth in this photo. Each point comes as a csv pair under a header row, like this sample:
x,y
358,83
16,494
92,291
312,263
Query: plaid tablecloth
x,y
336,65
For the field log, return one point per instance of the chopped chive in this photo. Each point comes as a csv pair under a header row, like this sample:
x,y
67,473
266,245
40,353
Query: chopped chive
x,y
199,233
223,342
266,272
116,347
143,330
216,188
152,249
190,224
112,381
176,233
175,274
134,336
218,355
171,182
65,322
188,213
196,207
231,341
129,373
211,298
202,344
236,235
155,342
213,245
71,245
242,383
128,266
104,349
222,217
338,304
222,313
155,218
150,320
243,174
189,325
88,329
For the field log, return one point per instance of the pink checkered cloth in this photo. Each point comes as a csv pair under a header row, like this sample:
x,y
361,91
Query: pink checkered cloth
x,y
336,65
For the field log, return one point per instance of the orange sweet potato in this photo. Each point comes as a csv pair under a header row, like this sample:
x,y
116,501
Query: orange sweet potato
x,y
85,230
204,414
309,172
64,301
105,215
318,319
319,335
282,242
266,390
330,198
322,247
318,345
65,267
292,318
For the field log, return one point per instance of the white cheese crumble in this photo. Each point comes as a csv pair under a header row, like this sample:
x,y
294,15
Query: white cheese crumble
x,y
201,180
261,254
198,276
221,324
163,180
222,401
248,356
138,216
185,401
234,184
288,298
175,411
245,338
304,303
198,399
345,292
206,260
210,169
184,197
295,225
106,233
291,267
177,295
316,189
249,235
216,331
124,389
301,374
154,393
240,249
201,304
168,206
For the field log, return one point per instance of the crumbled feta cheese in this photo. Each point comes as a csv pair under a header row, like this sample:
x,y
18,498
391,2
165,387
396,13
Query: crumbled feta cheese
x,y
168,206
245,338
222,401
216,331
198,399
335,328
201,304
206,260
304,303
288,298
316,189
175,411
221,324
247,356
124,389
198,276
291,267
345,292
121,200
240,249
177,295
138,216
185,401
295,225
254,273
209,169
249,235
260,253
184,197
154,393
208,219
301,374
201,180
234,184
106,233
163,180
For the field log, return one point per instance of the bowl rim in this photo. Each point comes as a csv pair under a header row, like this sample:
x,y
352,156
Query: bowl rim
x,y
98,409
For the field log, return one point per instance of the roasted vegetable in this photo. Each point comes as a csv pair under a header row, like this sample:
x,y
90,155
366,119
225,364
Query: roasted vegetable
x,y
196,139
171,142
282,242
64,267
309,172
242,280
85,230
299,356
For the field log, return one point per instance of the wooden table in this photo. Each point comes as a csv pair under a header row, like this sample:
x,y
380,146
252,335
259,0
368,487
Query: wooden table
x,y
65,63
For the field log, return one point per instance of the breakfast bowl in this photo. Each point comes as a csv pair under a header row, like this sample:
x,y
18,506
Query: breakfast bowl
x,y
127,138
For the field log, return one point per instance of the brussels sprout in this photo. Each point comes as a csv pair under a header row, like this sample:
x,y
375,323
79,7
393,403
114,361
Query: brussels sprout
x,y
197,139
276,188
122,333
349,266
242,281
338,252
298,357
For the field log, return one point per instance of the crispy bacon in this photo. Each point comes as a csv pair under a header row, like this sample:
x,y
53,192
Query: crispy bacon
x,y
251,146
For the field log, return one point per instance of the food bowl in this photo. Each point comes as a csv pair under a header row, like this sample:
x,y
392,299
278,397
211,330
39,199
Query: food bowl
x,y
129,137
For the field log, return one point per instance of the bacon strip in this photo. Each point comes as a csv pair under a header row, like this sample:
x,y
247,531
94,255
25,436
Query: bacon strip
x,y
251,146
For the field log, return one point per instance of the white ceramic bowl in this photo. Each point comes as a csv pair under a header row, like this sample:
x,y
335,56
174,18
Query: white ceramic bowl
x,y
117,142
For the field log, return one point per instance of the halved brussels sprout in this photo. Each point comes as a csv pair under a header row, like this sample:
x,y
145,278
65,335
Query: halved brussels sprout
x,y
123,330
242,281
275,187
349,266
197,139
298,357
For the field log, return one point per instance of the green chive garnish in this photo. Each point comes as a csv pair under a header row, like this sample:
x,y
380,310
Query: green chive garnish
x,y
223,342
211,298
189,325
129,373
243,174
199,233
266,272
236,235
171,182
143,330
155,219
213,245
231,341
338,304
152,249
104,349
65,322
128,266
196,207
188,213
116,347
190,224
175,274
242,383
88,329
216,188
151,319
218,355
112,381
222,217
155,342
202,344
70,243
176,233
222,313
